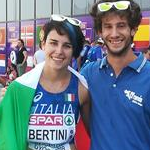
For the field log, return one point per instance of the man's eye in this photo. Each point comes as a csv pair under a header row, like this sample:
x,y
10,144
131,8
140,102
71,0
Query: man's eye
x,y
53,43
121,25
108,27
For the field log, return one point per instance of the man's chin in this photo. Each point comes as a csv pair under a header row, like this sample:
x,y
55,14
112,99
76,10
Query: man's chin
x,y
117,53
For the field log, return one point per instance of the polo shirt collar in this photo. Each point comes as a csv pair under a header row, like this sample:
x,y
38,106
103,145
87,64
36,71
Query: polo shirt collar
x,y
103,62
137,64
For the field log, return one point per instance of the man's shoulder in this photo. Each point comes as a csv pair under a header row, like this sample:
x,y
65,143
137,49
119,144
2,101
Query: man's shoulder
x,y
147,65
91,66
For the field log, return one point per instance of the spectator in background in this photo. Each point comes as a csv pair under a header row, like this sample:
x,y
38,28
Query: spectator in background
x,y
146,53
95,52
21,57
135,51
83,55
2,82
39,55
133,47
11,73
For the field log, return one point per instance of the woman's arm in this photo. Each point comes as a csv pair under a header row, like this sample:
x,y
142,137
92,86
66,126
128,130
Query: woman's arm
x,y
85,102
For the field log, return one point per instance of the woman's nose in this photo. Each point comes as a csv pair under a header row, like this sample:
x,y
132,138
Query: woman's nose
x,y
59,49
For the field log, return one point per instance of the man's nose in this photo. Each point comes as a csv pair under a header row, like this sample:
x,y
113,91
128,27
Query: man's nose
x,y
114,32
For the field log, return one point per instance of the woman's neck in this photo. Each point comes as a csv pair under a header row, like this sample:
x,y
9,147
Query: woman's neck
x,y
55,81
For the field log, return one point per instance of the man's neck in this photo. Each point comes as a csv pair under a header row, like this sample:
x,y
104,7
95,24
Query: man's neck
x,y
118,63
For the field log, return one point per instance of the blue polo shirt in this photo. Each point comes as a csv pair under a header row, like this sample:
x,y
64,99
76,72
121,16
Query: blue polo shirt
x,y
120,113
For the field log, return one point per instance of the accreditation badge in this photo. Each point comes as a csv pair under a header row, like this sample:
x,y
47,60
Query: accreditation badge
x,y
52,129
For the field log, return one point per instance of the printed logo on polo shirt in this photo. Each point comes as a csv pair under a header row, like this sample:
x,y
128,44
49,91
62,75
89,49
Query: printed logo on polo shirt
x,y
132,96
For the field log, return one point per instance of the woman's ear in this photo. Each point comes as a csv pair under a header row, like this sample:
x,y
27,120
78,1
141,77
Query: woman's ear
x,y
43,45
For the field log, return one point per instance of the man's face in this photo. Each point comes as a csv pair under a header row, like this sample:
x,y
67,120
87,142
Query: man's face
x,y
117,34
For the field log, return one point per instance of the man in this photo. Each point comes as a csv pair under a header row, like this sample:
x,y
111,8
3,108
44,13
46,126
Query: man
x,y
119,84
39,55
21,57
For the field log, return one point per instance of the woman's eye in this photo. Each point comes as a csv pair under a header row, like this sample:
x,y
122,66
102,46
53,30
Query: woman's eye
x,y
68,46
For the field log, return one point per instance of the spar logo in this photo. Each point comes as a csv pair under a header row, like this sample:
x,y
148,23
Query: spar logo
x,y
46,120
45,128
69,120
51,120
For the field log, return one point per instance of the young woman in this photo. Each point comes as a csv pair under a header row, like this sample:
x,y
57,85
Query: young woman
x,y
40,109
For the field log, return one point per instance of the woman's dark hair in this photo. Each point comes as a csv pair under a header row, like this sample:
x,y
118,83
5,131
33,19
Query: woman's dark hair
x,y
133,14
22,41
40,44
64,27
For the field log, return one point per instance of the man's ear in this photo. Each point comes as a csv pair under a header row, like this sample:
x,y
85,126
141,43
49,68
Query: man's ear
x,y
133,31
99,33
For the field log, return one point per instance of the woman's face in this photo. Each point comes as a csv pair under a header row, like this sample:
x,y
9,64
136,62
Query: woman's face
x,y
19,44
58,50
